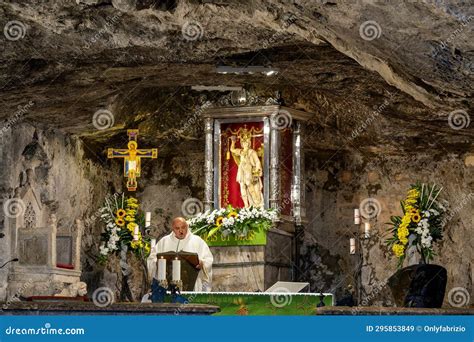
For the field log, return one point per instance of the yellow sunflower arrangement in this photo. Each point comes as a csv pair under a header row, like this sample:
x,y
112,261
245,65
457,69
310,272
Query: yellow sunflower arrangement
x,y
120,213
420,218
120,222
131,212
137,242
411,213
117,213
416,218
120,217
233,214
219,221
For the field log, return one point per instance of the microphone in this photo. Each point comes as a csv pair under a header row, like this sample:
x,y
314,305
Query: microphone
x,y
12,260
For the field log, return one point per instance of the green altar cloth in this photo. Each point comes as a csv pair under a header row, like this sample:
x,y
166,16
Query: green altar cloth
x,y
260,303
254,238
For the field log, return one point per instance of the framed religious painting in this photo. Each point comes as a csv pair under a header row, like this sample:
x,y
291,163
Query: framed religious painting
x,y
241,162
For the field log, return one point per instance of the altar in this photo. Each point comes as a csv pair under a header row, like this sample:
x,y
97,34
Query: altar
x,y
273,134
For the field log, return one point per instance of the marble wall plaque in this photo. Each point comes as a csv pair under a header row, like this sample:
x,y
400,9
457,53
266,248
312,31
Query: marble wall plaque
x,y
64,250
34,250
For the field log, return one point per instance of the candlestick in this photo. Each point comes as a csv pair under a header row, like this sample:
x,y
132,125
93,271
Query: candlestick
x,y
176,269
161,268
356,216
352,243
147,219
152,244
367,230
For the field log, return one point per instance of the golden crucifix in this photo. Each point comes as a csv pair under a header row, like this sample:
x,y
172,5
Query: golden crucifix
x,y
132,157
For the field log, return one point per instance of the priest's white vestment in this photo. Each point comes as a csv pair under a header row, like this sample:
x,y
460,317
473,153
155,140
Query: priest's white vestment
x,y
191,243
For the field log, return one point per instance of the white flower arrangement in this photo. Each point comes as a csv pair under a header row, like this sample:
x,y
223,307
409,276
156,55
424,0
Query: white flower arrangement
x,y
232,221
112,230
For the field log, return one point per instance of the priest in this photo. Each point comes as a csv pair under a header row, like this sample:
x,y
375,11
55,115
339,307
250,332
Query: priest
x,y
182,239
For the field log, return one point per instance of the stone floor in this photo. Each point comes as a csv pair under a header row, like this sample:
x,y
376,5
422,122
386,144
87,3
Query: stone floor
x,y
373,310
89,308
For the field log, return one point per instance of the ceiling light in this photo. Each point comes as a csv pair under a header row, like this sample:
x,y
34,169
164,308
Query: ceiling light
x,y
215,88
249,70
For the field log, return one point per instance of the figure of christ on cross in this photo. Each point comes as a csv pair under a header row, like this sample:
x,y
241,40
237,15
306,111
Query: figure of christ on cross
x,y
132,157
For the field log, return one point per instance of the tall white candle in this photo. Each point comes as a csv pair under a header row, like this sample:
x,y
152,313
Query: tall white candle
x,y
135,233
367,230
356,216
152,243
161,269
147,219
352,243
176,269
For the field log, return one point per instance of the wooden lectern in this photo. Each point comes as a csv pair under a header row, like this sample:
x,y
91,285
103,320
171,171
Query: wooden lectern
x,y
189,272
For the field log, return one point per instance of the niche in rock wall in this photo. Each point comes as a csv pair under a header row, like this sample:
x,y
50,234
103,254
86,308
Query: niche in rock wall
x,y
32,244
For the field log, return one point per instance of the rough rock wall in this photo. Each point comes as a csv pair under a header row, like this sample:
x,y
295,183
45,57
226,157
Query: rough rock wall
x,y
337,183
68,184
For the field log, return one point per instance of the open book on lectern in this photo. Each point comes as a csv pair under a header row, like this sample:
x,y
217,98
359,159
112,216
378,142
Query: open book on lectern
x,y
189,272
